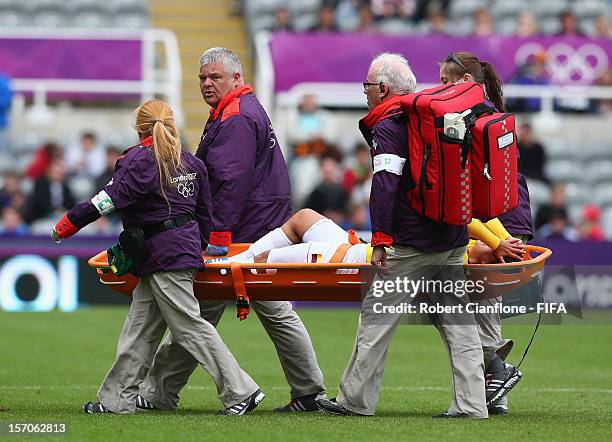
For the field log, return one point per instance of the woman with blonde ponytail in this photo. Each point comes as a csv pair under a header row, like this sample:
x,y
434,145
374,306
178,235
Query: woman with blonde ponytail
x,y
165,136
163,196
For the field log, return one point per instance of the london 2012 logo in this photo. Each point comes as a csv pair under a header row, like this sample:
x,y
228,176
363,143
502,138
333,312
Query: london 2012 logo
x,y
186,189
567,64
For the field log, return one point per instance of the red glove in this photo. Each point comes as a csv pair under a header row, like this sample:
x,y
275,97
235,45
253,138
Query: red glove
x,y
63,229
220,238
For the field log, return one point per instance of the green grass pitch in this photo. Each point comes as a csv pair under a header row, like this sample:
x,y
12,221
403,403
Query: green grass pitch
x,y
51,363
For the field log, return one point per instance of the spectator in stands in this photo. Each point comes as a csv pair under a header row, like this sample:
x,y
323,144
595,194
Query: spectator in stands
x,y
526,25
425,8
533,72
361,191
86,158
366,19
347,14
358,218
483,23
602,27
436,23
590,226
329,198
112,155
533,156
358,167
10,193
327,20
283,19
387,9
569,24
558,227
307,129
556,204
6,97
43,156
12,222
51,193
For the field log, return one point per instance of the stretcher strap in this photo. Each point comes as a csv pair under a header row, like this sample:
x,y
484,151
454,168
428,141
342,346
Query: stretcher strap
x,y
340,253
535,330
242,299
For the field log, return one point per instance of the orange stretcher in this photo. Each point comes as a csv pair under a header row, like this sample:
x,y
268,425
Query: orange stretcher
x,y
317,282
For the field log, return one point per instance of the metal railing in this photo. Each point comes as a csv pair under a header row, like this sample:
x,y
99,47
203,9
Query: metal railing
x,y
160,76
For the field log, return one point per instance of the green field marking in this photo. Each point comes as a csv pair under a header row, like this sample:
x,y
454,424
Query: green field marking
x,y
54,362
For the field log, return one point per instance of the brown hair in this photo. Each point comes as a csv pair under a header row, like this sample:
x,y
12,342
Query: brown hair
x,y
156,118
461,63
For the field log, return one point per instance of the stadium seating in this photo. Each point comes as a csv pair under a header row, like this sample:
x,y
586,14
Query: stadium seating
x,y
602,195
504,10
561,148
607,222
464,8
549,8
598,171
395,26
589,8
259,15
539,192
127,14
563,170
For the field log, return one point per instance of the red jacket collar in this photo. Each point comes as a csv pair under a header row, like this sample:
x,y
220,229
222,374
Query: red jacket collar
x,y
225,101
147,142
385,109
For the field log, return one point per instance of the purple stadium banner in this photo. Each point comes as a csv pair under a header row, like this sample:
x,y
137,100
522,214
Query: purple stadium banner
x,y
74,59
300,58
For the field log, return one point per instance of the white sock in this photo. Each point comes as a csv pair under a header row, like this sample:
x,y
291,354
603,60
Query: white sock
x,y
325,230
272,240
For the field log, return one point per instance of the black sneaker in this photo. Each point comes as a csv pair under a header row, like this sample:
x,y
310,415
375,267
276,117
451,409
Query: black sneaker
x,y
302,403
498,410
245,406
447,415
497,385
92,408
144,405
332,407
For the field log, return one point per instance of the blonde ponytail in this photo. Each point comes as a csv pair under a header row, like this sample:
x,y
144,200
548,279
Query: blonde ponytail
x,y
155,118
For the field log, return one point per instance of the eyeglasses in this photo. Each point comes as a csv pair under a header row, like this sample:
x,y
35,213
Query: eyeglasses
x,y
366,84
453,57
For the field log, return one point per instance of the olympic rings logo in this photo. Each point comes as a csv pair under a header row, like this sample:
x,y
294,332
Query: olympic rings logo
x,y
566,64
186,190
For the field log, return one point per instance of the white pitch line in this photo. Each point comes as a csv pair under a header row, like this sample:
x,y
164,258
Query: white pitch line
x,y
397,388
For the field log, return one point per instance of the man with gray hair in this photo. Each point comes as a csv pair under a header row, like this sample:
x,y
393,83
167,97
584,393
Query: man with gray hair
x,y
250,198
407,247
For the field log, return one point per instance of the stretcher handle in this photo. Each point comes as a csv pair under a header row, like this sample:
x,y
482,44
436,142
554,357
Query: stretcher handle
x,y
544,254
99,261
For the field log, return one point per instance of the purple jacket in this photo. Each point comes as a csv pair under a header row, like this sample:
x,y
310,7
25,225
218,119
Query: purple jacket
x,y
390,210
247,172
518,221
134,191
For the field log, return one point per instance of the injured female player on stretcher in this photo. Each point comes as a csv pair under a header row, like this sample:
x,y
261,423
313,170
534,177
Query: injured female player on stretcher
x,y
309,237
